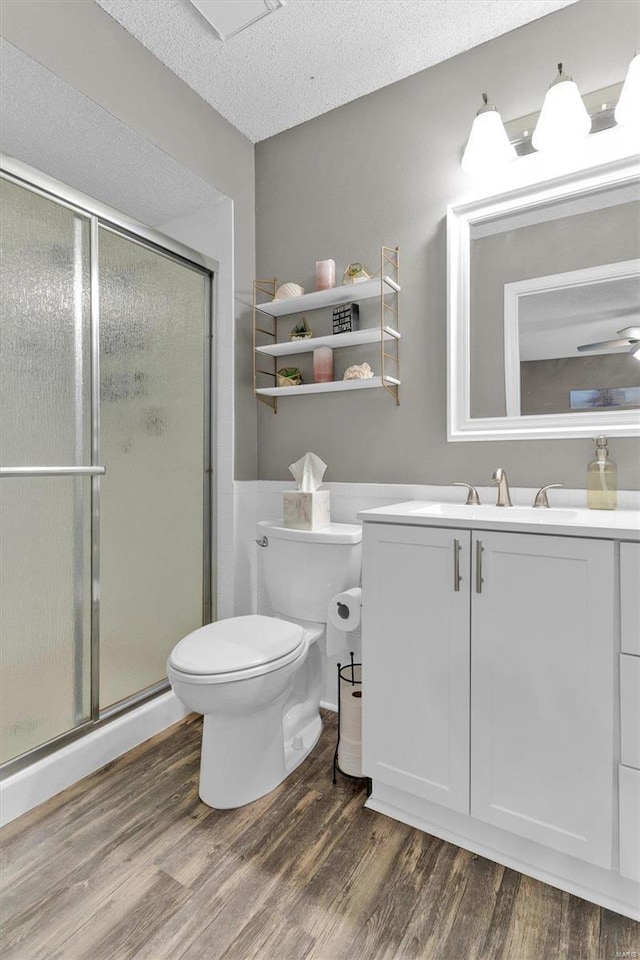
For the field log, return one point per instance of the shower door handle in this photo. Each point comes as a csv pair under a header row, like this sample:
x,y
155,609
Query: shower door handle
x,y
52,471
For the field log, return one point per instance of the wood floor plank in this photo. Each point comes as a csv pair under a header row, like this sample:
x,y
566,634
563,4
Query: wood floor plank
x,y
237,883
131,865
95,811
495,941
579,928
473,917
42,924
436,909
396,898
619,936
127,827
270,936
126,920
229,889
534,928
341,896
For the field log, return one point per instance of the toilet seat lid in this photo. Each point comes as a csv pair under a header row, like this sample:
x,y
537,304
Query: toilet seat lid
x,y
239,643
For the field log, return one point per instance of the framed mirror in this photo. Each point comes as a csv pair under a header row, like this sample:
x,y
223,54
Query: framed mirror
x,y
544,309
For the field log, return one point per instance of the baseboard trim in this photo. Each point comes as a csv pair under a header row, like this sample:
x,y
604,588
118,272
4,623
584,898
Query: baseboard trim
x,y
329,706
45,778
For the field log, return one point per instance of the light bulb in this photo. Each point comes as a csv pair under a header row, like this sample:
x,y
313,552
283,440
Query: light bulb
x,y
627,112
488,147
563,120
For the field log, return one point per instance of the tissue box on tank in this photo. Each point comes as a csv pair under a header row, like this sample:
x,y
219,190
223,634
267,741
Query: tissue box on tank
x,y
306,511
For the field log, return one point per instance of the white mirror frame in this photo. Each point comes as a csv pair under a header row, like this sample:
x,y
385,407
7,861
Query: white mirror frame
x,y
460,219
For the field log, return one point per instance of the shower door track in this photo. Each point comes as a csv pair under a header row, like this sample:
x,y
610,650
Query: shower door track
x,y
101,216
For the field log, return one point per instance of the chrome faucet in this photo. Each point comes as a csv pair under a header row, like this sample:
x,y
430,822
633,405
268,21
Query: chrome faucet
x,y
472,494
542,499
500,478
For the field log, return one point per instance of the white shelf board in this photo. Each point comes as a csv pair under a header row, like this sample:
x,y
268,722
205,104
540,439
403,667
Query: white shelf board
x,y
349,293
334,340
332,387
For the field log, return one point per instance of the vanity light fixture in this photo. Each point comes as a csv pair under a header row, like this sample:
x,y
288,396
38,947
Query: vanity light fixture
x,y
564,119
627,111
488,146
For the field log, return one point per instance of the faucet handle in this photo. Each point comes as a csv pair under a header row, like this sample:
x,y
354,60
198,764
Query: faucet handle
x,y
541,499
472,494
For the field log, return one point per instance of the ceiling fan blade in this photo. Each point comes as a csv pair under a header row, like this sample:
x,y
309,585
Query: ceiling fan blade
x,y
609,344
632,333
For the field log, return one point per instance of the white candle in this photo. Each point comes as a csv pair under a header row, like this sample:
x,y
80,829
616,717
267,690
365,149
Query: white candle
x,y
325,274
322,365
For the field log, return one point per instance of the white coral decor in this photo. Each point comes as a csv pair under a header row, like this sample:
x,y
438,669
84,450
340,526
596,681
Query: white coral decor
x,y
359,371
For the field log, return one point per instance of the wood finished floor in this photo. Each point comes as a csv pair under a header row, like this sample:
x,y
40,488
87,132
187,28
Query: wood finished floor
x,y
128,863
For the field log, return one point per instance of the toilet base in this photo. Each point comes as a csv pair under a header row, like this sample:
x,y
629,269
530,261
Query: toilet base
x,y
300,746
242,760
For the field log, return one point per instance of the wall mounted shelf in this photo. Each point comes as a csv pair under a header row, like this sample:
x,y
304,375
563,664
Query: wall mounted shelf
x,y
348,293
386,334
335,341
334,386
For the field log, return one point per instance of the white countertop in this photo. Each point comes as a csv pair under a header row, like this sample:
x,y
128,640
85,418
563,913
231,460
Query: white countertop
x,y
569,521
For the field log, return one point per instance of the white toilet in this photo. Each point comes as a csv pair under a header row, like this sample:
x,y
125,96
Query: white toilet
x,y
258,680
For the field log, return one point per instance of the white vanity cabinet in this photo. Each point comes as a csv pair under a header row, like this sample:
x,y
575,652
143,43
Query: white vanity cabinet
x,y
509,637
491,695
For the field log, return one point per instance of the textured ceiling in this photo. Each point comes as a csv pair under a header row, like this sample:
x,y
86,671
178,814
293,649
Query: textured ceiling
x,y
314,55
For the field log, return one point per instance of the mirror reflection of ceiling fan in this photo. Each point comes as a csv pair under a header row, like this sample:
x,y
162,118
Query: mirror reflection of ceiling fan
x,y
628,337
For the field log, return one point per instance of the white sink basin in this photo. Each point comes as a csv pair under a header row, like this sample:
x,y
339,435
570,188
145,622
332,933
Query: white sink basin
x,y
461,511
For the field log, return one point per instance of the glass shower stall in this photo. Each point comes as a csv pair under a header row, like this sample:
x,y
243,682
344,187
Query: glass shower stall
x,y
105,453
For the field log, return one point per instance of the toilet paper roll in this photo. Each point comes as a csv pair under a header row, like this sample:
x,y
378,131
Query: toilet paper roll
x,y
344,609
350,745
343,615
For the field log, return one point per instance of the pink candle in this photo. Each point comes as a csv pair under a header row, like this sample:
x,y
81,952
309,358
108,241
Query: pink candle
x,y
325,274
322,365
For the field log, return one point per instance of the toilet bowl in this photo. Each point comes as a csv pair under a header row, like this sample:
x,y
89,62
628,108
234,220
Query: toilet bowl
x,y
258,679
237,673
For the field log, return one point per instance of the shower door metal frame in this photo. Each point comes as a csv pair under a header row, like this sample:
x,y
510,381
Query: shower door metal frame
x,y
100,216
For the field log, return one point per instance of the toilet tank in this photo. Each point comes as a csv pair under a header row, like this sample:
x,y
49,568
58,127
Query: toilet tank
x,y
303,569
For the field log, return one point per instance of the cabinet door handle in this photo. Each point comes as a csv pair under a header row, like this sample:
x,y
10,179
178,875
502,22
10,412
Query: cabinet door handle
x,y
456,565
479,577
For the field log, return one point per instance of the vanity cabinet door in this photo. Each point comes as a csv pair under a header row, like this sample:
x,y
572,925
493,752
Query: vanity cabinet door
x,y
630,597
542,666
415,641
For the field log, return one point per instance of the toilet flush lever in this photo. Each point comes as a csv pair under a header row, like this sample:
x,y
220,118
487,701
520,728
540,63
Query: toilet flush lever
x,y
263,541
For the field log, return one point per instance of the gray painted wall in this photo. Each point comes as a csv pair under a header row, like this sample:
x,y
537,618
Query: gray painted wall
x,y
382,170
545,385
79,42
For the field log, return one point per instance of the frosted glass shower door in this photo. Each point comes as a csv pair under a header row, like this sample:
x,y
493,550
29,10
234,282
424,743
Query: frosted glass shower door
x,y
153,354
45,422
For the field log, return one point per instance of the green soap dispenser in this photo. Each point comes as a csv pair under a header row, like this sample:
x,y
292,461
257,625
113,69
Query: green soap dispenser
x,y
602,479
